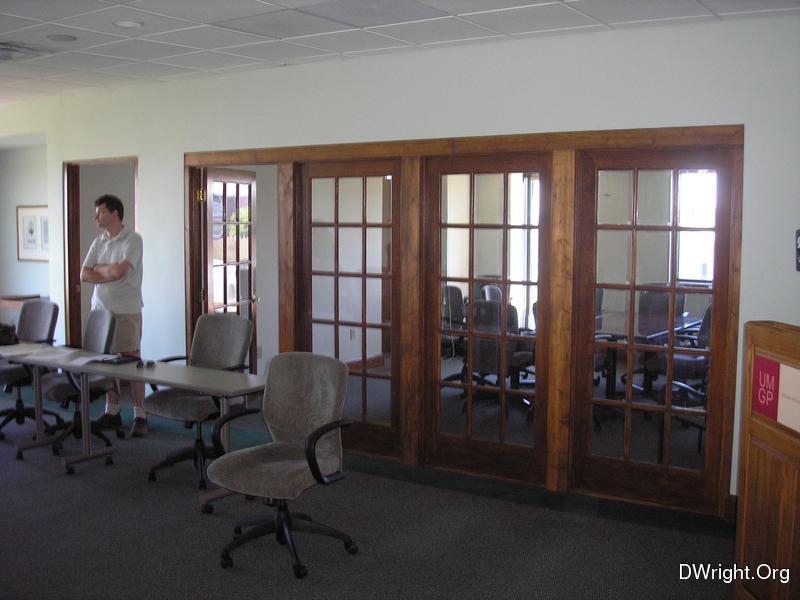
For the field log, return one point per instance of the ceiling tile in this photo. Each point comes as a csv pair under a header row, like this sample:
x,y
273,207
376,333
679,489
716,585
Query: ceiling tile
x,y
146,70
275,51
49,10
355,40
37,36
103,20
140,50
370,13
460,7
77,60
206,11
206,60
446,29
283,24
628,11
11,23
207,37
530,19
723,7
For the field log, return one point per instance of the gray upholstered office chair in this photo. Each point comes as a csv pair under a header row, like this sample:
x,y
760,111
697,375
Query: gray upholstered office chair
x,y
452,317
37,323
65,388
302,405
221,341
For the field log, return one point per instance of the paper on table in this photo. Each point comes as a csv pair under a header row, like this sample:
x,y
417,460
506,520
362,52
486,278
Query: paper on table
x,y
85,360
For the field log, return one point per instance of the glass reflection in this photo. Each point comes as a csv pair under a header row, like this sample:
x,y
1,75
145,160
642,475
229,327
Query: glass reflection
x,y
322,254
321,297
379,199
614,197
322,199
379,401
350,199
455,199
654,197
647,436
379,249
455,252
523,198
696,255
613,256
350,299
322,341
353,399
452,416
608,433
244,242
378,306
488,253
653,258
350,347
687,441
489,198
350,249
697,198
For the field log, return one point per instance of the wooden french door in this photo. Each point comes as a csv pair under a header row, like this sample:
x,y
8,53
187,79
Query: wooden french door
x,y
486,314
222,247
653,309
349,263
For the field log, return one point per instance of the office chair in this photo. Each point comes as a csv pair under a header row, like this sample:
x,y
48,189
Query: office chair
x,y
302,405
37,323
65,388
221,341
452,317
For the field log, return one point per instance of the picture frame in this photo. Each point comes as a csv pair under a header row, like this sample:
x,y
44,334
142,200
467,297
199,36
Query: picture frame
x,y
33,233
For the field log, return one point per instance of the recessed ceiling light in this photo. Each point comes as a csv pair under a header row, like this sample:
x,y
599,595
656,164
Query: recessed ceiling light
x,y
61,37
128,24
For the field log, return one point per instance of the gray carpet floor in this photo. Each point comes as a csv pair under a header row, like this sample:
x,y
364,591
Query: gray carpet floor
x,y
106,533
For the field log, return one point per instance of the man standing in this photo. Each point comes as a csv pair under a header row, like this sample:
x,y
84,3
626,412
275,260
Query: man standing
x,y
114,265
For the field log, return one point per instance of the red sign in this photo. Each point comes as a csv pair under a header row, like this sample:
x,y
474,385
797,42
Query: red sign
x,y
766,380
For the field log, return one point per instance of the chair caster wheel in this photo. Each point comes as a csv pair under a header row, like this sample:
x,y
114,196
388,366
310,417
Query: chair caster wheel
x,y
351,547
109,460
207,509
70,471
225,561
19,454
300,571
237,531
151,476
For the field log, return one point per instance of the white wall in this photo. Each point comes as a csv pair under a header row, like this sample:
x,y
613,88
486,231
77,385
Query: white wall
x,y
741,71
23,181
119,179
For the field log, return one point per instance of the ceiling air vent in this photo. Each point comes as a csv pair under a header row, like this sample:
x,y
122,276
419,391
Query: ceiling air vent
x,y
12,51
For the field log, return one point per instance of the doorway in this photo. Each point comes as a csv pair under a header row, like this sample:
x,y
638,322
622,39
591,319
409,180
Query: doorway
x,y
84,182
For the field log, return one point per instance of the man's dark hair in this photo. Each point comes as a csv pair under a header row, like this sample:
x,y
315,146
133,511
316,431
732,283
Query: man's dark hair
x,y
113,204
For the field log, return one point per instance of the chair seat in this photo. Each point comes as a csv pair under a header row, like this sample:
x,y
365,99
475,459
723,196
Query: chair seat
x,y
278,470
180,405
58,388
11,373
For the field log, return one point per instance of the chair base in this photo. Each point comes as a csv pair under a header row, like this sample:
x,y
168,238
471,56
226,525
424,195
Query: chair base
x,y
20,412
75,428
197,453
282,524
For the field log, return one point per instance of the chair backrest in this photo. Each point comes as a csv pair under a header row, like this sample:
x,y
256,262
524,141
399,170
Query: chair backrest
x,y
452,306
303,392
485,351
654,310
98,332
704,334
221,341
37,320
492,292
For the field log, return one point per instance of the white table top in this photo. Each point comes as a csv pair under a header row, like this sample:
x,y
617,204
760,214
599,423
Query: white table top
x,y
21,349
214,382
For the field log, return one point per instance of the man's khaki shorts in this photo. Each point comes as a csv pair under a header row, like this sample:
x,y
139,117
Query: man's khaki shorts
x,y
128,333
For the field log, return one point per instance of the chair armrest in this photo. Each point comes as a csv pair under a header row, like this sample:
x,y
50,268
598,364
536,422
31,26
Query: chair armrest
x,y
311,452
222,421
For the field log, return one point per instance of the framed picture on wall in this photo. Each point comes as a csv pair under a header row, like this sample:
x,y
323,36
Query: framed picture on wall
x,y
33,235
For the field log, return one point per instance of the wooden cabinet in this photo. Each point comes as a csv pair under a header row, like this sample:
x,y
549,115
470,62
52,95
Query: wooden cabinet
x,y
768,523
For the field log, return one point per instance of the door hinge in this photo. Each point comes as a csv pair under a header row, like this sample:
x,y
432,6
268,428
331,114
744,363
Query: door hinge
x,y
201,196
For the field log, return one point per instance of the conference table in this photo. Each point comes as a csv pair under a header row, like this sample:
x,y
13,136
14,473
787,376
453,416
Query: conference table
x,y
612,326
222,384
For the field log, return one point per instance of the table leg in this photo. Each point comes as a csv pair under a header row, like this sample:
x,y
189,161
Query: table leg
x,y
40,439
611,372
86,427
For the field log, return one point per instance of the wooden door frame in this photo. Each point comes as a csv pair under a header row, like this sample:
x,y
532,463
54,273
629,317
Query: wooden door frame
x,y
707,491
71,212
412,153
